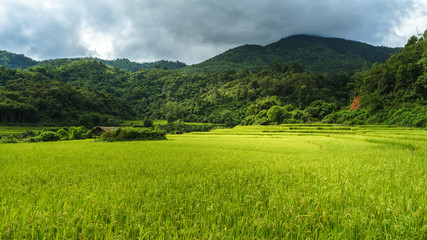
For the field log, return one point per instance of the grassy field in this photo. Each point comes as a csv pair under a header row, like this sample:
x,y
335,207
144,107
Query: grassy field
x,y
293,181
8,130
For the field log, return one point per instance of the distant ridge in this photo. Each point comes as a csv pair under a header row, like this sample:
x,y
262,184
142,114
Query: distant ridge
x,y
319,54
13,60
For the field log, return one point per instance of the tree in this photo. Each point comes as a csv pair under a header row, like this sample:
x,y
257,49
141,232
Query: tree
x,y
319,109
174,111
277,114
148,122
302,97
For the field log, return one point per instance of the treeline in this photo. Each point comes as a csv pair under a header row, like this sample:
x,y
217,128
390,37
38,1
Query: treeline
x,y
12,60
79,133
395,92
32,97
15,61
121,63
87,91
318,54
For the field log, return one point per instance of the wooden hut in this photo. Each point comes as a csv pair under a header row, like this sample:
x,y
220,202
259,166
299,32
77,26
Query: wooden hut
x,y
98,130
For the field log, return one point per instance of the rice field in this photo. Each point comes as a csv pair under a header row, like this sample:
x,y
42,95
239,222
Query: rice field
x,y
9,130
266,182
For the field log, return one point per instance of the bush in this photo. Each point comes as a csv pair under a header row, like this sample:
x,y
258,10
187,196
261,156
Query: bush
x,y
133,134
148,122
298,116
278,114
408,117
28,134
47,136
249,120
319,109
63,134
347,117
8,140
181,127
262,118
289,107
77,133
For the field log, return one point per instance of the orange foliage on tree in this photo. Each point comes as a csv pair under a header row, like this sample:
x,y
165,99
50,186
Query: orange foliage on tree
x,y
356,103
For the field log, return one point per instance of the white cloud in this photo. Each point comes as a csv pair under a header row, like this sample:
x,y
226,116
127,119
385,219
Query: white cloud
x,y
412,22
194,30
97,43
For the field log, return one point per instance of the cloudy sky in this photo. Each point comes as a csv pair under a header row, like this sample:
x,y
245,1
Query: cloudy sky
x,y
192,31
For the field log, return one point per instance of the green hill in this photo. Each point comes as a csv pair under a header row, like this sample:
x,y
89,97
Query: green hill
x,y
89,92
122,63
12,60
314,53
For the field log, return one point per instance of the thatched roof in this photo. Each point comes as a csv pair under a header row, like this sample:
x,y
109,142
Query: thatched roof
x,y
101,129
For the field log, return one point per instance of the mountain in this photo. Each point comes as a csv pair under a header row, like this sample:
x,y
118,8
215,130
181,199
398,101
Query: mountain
x,y
12,60
89,92
395,92
122,63
314,53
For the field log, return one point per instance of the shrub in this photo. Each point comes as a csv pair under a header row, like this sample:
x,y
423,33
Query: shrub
x,y
148,122
133,134
249,120
47,136
278,114
181,127
8,140
262,118
28,134
346,117
319,109
298,116
63,134
289,107
77,133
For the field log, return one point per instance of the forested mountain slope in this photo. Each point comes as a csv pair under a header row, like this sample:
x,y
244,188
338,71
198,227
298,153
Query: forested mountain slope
x,y
12,60
89,92
395,92
314,53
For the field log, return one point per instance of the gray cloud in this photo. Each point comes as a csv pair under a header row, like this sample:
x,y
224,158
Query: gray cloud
x,y
194,30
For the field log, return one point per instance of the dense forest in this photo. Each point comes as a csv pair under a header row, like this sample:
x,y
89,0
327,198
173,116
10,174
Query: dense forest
x,y
89,92
318,54
12,60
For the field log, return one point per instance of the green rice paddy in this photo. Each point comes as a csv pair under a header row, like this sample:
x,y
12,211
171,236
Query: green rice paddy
x,y
287,182
9,130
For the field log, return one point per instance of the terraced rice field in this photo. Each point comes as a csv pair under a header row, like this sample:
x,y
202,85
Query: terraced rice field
x,y
268,182
8,130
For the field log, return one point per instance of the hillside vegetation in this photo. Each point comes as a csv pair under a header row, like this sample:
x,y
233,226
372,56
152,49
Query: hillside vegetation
x,y
88,92
395,92
314,53
12,60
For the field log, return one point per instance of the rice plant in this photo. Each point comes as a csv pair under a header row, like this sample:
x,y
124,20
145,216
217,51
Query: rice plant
x,y
243,183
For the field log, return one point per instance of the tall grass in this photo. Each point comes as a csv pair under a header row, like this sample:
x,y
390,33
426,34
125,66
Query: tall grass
x,y
196,186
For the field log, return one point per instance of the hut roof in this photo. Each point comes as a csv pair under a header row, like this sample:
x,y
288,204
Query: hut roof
x,y
101,129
